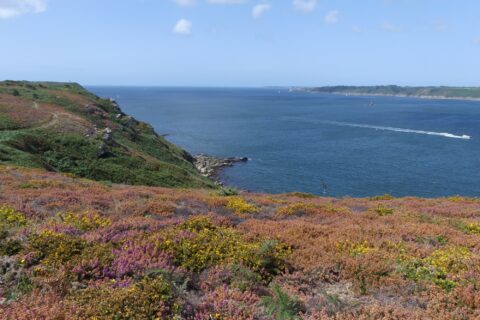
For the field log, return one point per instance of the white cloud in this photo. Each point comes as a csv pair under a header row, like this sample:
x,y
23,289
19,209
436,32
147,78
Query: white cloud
x,y
390,27
185,3
332,17
304,5
259,9
226,1
13,8
356,29
183,27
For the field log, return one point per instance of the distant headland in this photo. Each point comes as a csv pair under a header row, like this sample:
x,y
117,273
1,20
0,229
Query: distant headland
x,y
462,93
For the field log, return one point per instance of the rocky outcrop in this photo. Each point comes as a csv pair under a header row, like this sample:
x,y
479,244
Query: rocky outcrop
x,y
209,166
104,149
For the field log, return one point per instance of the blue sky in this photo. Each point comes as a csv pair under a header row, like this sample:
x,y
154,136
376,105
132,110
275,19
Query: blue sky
x,y
242,42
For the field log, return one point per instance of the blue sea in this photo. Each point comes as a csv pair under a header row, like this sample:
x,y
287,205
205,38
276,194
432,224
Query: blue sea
x,y
331,145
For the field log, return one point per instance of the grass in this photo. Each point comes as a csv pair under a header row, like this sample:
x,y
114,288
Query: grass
x,y
73,137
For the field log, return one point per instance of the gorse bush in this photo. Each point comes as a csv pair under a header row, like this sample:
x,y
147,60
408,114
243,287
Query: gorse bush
x,y
472,228
442,267
10,220
52,248
295,208
85,221
9,246
355,249
383,211
468,227
239,205
11,217
450,260
382,197
149,298
198,244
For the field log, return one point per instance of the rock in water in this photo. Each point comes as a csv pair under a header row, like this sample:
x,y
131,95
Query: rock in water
x,y
209,166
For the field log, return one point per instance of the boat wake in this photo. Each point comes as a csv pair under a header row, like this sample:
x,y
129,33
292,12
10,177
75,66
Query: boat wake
x,y
431,133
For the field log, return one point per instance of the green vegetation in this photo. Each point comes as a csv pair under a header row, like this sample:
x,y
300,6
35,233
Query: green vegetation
x,y
280,305
383,211
440,267
240,206
227,191
392,90
198,244
62,127
150,298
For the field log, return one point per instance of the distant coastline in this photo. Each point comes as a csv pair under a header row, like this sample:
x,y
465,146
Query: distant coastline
x,y
434,93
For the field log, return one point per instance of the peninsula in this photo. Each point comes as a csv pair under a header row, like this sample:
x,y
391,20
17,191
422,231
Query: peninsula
x,y
466,93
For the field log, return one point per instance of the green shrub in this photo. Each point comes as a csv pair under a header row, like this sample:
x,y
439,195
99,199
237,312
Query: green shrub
x,y
55,248
280,305
86,220
382,197
472,228
240,206
198,244
383,211
10,247
440,268
466,227
10,217
227,191
302,195
22,287
243,278
150,298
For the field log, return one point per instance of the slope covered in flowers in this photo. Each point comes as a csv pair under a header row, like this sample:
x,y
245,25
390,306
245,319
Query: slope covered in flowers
x,y
72,248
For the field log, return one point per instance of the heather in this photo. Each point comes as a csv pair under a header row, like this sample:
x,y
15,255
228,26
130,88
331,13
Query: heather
x,y
62,127
72,248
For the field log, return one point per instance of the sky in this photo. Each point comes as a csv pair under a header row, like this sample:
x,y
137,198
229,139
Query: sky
x,y
242,42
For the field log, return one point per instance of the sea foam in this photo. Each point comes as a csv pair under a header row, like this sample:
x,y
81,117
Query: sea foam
x,y
431,133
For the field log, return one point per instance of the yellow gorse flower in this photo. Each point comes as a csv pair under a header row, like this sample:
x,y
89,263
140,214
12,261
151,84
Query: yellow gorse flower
x,y
239,205
10,216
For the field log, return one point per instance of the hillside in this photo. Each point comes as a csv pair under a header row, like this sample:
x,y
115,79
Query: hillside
x,y
419,92
62,127
72,248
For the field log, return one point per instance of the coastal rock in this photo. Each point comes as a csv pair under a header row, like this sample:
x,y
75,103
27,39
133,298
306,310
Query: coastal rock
x,y
209,166
104,149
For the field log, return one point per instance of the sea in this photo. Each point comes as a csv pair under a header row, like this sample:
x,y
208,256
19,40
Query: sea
x,y
325,144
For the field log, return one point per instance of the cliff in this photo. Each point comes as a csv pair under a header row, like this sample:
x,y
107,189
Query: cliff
x,y
62,127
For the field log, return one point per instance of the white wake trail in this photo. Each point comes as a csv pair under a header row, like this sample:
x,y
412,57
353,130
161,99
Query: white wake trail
x,y
431,133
